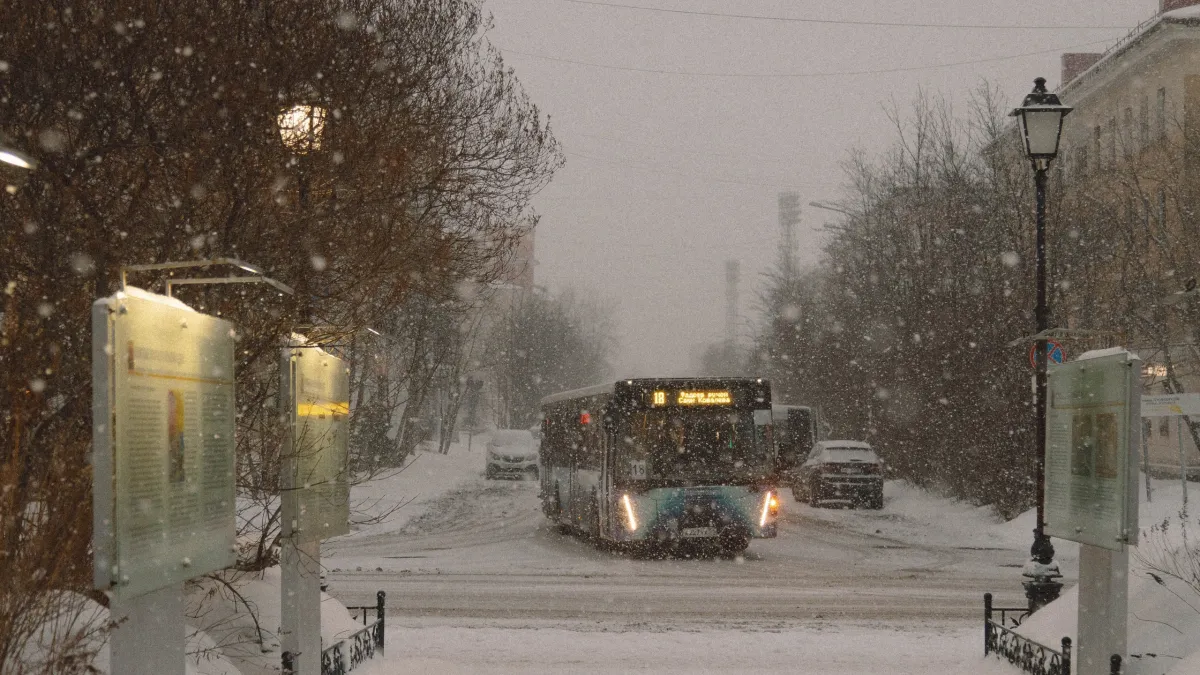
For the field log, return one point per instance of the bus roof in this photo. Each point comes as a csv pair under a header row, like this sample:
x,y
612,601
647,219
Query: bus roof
x,y
594,390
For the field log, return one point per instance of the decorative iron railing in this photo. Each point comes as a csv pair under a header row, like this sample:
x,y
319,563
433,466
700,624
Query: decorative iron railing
x,y
351,652
1030,656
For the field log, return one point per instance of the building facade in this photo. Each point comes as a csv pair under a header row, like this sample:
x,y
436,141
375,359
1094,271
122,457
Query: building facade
x,y
1134,132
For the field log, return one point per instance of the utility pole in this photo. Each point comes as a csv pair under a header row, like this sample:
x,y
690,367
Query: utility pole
x,y
732,275
789,218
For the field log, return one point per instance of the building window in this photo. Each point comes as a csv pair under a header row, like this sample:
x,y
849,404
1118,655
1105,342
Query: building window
x,y
1146,429
1144,125
1160,113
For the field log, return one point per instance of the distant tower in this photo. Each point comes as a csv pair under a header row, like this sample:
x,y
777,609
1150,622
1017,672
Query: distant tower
x,y
789,218
732,273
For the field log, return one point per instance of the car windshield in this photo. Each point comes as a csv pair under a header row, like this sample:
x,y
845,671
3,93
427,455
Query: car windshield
x,y
698,444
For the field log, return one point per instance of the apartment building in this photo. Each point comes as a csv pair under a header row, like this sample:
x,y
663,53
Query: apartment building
x,y
1137,106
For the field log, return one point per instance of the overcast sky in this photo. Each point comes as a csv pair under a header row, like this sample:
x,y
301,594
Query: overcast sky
x,y
668,175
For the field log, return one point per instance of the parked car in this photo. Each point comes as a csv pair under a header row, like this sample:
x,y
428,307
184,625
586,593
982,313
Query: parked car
x,y
512,453
840,471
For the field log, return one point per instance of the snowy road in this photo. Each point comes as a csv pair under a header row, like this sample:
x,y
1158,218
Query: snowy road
x,y
484,551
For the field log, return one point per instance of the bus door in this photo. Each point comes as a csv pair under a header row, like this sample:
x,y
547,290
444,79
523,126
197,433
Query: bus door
x,y
607,471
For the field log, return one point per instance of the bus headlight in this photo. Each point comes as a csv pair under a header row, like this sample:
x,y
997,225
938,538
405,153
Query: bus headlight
x,y
770,508
630,517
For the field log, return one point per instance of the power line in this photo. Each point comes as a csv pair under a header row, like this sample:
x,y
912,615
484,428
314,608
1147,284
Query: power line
x,y
843,73
788,19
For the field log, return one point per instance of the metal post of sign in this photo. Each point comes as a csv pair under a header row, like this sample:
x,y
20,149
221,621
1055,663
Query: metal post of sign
x,y
1093,427
1146,465
149,634
315,401
1182,460
299,561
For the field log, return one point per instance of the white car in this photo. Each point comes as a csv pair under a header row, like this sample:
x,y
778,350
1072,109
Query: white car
x,y
513,453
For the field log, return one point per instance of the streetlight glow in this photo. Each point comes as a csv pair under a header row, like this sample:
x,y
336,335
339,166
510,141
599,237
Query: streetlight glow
x,y
301,127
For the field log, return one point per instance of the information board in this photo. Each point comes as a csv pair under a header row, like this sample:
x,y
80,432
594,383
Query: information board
x,y
1092,421
1170,405
316,492
163,496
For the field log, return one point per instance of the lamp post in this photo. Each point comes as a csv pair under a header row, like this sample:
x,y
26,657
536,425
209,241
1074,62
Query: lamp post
x,y
300,128
1041,116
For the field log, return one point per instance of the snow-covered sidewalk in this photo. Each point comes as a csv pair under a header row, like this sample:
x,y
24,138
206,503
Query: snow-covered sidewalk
x,y
585,648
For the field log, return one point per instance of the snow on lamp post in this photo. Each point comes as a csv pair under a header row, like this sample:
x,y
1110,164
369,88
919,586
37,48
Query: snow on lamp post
x,y
1041,116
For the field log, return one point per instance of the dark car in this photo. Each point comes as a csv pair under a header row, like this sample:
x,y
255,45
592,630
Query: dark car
x,y
840,471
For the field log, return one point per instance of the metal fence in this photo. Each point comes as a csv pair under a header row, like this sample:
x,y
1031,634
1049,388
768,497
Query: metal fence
x,y
351,652
1030,656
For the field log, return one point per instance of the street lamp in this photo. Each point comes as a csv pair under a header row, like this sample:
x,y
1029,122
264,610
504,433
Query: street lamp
x,y
300,128
1041,115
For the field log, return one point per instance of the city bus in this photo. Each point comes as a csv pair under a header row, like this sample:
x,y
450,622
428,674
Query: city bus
x,y
654,463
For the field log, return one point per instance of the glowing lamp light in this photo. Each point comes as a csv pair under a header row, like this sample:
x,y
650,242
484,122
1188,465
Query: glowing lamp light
x,y
301,126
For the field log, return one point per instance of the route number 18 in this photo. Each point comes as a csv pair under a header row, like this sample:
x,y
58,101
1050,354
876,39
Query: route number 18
x,y
637,469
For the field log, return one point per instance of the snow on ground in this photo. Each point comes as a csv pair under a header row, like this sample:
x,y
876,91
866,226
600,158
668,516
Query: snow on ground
x,y
254,645
1164,617
916,516
591,647
399,495
430,487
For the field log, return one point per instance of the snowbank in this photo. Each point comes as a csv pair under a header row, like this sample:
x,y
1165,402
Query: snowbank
x,y
1164,612
243,617
387,504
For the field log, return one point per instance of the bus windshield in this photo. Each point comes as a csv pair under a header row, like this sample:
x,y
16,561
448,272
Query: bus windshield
x,y
707,445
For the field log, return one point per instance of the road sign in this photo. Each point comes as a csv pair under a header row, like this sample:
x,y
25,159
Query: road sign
x,y
1054,352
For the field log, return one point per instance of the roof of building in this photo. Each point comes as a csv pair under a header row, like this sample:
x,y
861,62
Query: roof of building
x,y
1187,16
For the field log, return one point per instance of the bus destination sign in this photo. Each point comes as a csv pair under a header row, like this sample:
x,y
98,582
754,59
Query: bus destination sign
x,y
691,397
